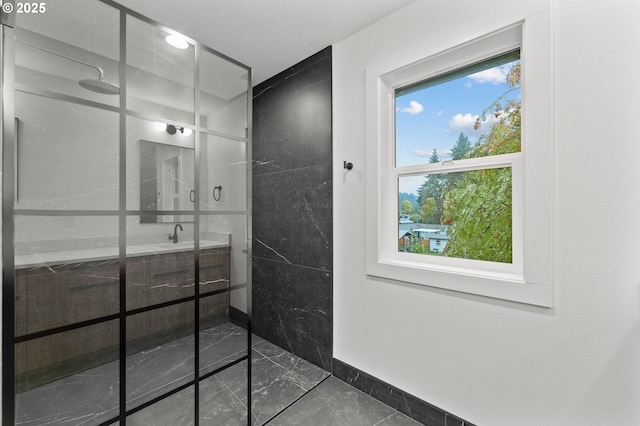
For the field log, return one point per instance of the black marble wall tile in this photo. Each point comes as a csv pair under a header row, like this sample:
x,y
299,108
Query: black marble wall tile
x,y
292,210
408,404
293,309
292,220
292,117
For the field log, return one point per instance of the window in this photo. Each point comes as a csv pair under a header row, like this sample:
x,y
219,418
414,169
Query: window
x,y
472,112
459,154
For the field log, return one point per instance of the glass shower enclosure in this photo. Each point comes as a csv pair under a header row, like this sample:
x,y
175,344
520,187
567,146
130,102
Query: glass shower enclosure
x,y
126,222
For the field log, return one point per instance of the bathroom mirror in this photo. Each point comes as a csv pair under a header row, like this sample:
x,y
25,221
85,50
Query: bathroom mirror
x,y
166,181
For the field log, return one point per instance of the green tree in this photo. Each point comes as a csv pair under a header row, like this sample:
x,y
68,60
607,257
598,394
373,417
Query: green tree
x,y
432,188
461,148
416,245
480,209
407,207
429,208
434,157
479,204
504,137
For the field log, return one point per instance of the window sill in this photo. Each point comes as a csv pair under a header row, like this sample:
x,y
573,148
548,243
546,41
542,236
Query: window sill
x,y
497,286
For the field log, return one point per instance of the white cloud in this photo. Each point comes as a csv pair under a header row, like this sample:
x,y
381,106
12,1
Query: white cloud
x,y
413,108
463,122
422,152
496,75
443,153
466,122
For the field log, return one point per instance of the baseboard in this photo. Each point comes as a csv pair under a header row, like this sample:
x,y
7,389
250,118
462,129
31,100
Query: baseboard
x,y
417,409
239,318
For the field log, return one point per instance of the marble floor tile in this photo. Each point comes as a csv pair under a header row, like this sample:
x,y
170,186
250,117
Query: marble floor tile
x,y
152,372
221,345
335,403
220,404
174,410
86,398
91,397
398,419
280,381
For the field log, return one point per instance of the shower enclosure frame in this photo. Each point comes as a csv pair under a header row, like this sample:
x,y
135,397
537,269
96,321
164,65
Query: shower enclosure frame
x,y
9,211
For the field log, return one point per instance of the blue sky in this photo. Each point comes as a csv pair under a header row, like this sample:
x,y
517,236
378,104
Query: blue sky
x,y
432,118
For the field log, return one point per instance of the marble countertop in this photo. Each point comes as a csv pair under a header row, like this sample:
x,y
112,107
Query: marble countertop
x,y
34,260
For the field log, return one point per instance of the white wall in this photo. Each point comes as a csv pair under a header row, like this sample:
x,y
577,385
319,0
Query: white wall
x,y
226,165
68,159
488,361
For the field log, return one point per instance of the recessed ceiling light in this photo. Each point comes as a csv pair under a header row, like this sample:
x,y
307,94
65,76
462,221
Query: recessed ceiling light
x,y
177,41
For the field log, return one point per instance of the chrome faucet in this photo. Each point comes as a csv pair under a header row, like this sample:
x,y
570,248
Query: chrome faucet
x,y
174,237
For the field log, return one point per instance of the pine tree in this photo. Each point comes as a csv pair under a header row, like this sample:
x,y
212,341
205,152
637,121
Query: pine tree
x,y
461,148
431,188
434,157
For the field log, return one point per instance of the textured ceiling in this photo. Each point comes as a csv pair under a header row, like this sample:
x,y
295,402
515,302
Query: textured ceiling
x,y
267,35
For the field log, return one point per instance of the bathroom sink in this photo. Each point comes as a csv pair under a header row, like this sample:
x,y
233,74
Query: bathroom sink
x,y
36,259
169,247
181,245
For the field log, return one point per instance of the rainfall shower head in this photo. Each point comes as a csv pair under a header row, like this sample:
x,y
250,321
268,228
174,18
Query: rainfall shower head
x,y
99,85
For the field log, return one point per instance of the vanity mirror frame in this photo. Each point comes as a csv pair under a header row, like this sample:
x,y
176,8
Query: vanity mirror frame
x,y
165,174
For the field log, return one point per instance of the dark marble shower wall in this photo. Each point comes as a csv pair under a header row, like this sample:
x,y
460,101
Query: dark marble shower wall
x,y
292,210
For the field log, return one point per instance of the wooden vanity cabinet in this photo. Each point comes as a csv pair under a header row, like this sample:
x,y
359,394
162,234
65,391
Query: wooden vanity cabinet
x,y
53,296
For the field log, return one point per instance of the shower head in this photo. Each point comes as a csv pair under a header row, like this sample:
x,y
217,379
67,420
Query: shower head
x,y
100,86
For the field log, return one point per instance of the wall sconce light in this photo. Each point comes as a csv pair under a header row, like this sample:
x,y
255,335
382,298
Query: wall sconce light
x,y
172,130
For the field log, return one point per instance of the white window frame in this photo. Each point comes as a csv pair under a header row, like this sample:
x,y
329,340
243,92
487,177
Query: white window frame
x,y
529,278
